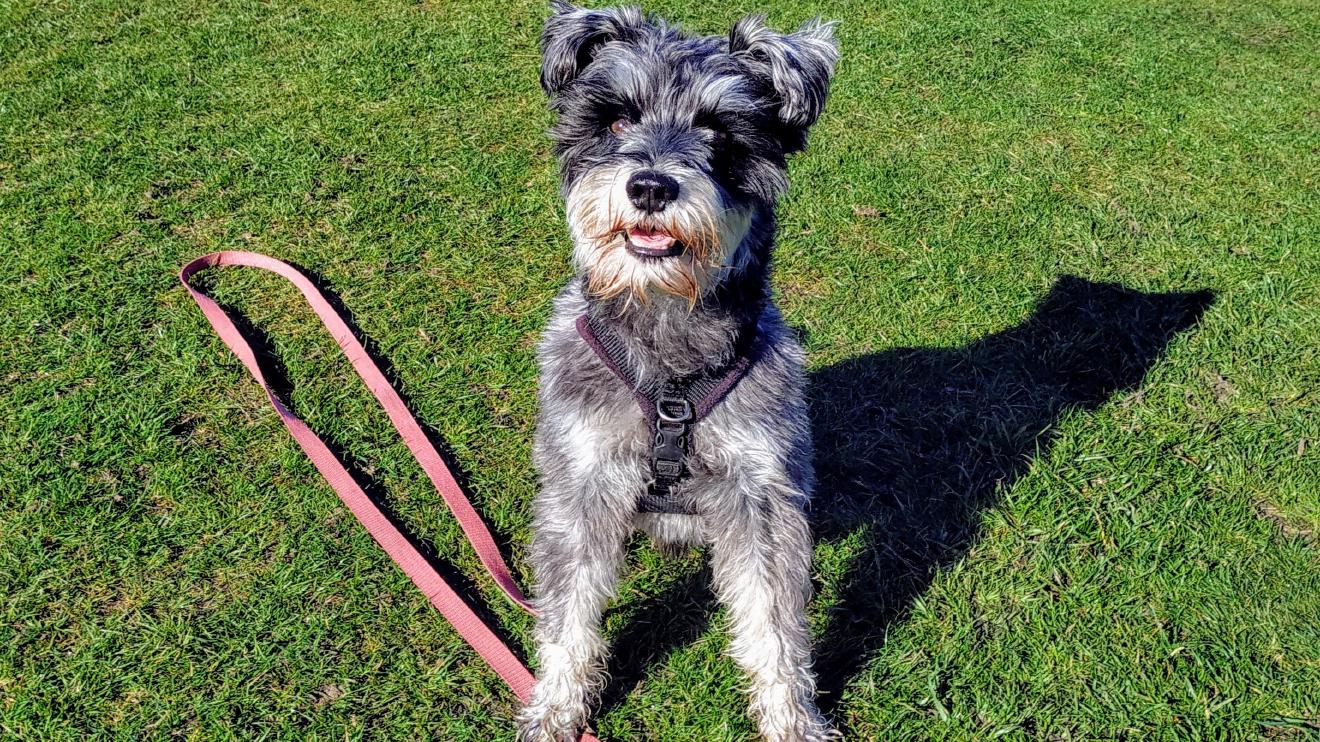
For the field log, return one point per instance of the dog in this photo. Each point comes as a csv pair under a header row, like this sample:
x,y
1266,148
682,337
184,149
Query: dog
x,y
671,390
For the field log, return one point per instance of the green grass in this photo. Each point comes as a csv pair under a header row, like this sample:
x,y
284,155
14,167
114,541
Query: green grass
x,y
1086,514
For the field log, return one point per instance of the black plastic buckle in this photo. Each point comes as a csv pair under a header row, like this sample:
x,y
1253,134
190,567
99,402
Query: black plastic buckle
x,y
673,415
669,449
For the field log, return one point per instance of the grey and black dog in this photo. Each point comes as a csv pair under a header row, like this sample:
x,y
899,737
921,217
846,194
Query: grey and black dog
x,y
673,151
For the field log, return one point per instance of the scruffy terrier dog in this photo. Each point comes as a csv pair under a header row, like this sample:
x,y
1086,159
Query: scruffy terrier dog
x,y
671,390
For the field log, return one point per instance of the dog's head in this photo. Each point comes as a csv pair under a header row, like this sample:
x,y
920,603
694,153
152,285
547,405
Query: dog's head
x,y
672,147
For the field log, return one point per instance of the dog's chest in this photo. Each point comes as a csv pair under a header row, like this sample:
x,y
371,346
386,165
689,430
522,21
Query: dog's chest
x,y
610,431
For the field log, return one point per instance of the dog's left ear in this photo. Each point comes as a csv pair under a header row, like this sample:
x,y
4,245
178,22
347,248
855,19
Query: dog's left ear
x,y
573,35
799,65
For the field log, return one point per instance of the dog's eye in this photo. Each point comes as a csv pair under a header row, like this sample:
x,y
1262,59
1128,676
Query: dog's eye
x,y
620,126
719,134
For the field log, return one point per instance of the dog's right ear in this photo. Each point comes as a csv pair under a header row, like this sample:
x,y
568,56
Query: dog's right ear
x,y
573,35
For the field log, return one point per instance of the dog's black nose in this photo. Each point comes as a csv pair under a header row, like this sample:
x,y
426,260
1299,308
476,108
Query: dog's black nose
x,y
651,191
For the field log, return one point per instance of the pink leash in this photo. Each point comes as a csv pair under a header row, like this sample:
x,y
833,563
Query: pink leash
x,y
396,544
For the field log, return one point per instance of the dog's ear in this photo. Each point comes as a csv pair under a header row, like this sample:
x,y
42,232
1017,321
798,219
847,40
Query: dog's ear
x,y
572,35
798,65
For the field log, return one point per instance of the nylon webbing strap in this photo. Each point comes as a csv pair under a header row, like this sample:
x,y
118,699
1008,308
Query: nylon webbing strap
x,y
611,351
705,390
399,547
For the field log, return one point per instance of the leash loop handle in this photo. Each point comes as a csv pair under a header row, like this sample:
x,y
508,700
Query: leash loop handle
x,y
399,547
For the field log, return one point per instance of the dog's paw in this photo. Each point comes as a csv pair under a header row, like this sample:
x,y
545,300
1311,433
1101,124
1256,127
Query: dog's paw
x,y
815,730
785,714
810,729
541,723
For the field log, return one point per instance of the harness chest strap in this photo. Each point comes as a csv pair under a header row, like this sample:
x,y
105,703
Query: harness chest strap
x,y
396,543
671,407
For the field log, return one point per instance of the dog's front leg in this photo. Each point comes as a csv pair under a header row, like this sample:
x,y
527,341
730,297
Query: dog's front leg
x,y
577,548
761,561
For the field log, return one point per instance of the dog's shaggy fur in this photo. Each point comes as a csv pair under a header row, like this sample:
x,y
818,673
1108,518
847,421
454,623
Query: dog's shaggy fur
x,y
673,152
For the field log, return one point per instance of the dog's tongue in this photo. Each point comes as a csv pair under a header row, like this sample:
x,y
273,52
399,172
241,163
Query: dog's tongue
x,y
650,239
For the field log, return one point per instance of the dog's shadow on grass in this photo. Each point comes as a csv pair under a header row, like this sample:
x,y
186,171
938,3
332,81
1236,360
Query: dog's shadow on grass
x,y
912,443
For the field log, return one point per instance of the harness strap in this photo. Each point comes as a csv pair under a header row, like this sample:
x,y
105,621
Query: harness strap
x,y
671,407
396,543
611,351
704,390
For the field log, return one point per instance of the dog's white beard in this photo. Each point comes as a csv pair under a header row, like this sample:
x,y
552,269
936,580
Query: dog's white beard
x,y
599,215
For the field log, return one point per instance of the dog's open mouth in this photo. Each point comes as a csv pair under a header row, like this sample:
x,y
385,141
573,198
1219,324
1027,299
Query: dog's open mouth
x,y
652,243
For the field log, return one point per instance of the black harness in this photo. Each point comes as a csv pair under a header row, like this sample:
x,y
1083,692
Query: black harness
x,y
671,407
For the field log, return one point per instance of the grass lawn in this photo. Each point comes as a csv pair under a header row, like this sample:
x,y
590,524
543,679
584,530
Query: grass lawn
x,y
1056,263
